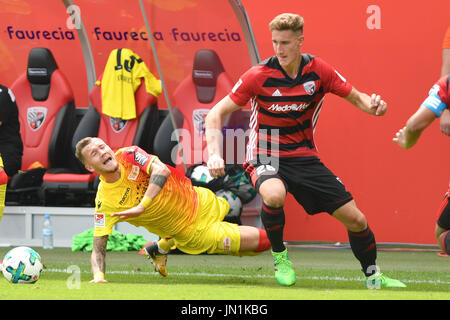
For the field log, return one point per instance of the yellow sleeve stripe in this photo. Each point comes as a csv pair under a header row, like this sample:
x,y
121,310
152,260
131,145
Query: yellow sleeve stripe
x,y
150,164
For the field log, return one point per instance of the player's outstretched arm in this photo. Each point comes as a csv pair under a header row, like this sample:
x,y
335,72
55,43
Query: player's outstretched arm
x,y
159,173
416,124
213,134
98,261
373,104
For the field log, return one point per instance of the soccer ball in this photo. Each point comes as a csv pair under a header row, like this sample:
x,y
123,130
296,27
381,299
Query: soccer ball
x,y
234,214
201,174
22,265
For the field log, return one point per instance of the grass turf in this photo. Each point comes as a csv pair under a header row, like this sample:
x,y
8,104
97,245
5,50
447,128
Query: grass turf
x,y
321,275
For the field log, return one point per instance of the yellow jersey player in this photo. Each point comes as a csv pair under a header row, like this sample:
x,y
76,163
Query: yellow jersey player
x,y
138,188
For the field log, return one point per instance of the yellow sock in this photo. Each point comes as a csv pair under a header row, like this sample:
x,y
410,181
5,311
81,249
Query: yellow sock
x,y
2,199
3,183
165,244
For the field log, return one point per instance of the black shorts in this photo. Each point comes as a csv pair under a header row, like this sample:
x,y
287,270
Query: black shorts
x,y
444,213
311,183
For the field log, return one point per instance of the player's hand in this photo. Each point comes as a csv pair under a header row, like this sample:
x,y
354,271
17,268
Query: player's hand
x,y
216,166
377,104
130,213
445,122
400,138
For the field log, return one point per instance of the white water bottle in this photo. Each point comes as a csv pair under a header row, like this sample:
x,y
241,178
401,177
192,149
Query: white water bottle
x,y
47,233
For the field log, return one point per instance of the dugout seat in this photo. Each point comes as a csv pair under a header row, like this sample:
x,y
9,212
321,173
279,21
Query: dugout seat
x,y
79,188
46,114
192,100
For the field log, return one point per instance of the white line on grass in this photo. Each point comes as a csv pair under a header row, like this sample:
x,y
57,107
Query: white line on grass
x,y
201,274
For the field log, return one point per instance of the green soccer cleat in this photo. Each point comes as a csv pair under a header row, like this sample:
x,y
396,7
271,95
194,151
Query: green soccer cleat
x,y
284,273
379,280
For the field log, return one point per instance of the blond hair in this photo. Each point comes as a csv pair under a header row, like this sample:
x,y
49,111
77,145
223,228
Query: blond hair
x,y
287,21
79,148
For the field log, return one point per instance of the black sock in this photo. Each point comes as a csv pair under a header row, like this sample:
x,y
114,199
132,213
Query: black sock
x,y
273,221
365,249
445,242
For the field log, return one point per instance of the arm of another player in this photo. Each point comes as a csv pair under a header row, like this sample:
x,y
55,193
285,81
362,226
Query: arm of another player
x,y
158,178
213,134
416,124
445,122
98,262
445,117
373,104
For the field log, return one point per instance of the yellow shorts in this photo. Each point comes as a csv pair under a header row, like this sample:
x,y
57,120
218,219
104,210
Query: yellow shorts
x,y
209,232
2,193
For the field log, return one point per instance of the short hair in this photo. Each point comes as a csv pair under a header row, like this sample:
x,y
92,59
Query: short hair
x,y
287,21
79,148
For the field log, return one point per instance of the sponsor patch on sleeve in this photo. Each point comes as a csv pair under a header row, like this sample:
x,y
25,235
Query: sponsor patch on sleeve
x,y
134,173
140,158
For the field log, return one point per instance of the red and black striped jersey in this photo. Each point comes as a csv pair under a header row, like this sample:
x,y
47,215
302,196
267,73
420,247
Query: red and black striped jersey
x,y
284,111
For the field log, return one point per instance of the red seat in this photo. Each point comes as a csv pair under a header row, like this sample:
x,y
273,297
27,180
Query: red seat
x,y
46,113
193,99
46,105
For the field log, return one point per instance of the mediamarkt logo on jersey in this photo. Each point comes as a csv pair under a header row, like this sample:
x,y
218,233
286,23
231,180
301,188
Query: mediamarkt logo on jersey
x,y
286,108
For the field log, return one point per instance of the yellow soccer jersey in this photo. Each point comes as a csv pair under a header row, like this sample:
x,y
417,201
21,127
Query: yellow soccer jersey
x,y
121,78
171,212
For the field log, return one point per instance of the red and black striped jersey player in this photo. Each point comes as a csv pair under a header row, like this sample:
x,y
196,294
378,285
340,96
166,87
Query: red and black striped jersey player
x,y
433,107
286,92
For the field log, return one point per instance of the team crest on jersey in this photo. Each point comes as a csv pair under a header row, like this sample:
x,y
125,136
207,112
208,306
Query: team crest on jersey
x,y
198,118
99,220
310,87
36,117
117,124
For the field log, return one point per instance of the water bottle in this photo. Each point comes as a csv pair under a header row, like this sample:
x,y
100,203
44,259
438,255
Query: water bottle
x,y
47,233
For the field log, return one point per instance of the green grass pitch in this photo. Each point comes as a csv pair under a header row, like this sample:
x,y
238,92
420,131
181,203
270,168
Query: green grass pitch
x,y
321,275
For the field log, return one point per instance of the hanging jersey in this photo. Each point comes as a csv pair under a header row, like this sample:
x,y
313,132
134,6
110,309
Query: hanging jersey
x,y
121,78
284,111
173,209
